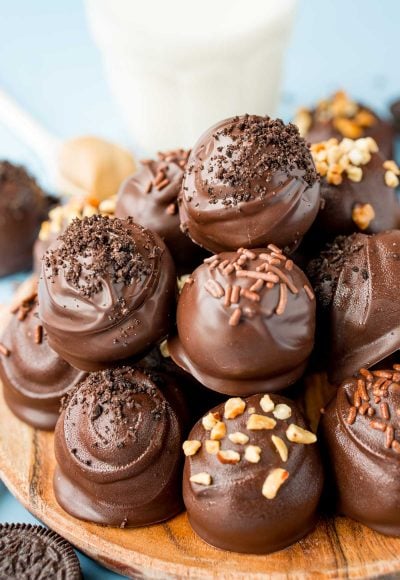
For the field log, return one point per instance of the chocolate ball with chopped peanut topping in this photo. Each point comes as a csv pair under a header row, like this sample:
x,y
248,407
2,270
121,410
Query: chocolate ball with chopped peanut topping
x,y
245,322
358,189
150,196
253,476
361,435
340,116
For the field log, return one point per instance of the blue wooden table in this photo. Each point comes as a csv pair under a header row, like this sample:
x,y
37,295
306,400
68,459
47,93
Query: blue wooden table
x,y
49,63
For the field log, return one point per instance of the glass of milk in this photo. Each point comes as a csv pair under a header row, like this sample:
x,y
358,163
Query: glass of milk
x,y
176,67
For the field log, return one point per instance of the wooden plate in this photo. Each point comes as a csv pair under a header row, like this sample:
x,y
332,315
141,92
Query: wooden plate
x,y
337,548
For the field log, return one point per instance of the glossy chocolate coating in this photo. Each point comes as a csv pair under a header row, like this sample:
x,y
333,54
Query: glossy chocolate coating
x,y
264,351
232,513
34,377
338,201
249,181
356,282
363,461
157,209
127,307
118,449
23,206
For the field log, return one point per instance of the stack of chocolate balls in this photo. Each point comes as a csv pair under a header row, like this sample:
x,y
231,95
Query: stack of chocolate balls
x,y
137,360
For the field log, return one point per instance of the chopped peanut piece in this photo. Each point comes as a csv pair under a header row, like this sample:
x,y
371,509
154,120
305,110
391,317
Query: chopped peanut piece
x,y
303,120
210,420
251,410
201,478
280,446
238,438
257,422
273,482
252,453
297,434
354,173
391,166
391,179
234,407
191,447
218,431
267,404
228,456
282,411
164,349
212,447
362,215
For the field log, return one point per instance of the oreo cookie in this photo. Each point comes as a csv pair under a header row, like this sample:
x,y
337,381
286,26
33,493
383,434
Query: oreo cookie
x,y
33,552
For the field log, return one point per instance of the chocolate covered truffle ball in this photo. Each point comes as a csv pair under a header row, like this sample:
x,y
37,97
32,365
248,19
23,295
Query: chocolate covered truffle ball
x,y
340,116
107,292
361,432
249,181
253,477
118,449
245,322
356,281
61,216
357,189
23,206
150,196
34,377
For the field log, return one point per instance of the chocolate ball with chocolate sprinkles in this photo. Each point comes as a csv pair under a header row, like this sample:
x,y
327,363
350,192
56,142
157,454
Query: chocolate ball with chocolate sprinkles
x,y
253,476
361,435
29,552
118,449
245,322
340,116
249,181
355,279
34,377
150,196
357,189
107,292
23,206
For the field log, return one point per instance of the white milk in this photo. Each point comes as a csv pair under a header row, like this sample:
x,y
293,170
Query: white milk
x,y
178,66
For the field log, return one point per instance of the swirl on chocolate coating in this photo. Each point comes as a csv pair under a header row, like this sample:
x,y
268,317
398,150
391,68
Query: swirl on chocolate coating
x,y
34,377
150,197
248,486
107,292
245,322
249,181
361,432
118,449
356,281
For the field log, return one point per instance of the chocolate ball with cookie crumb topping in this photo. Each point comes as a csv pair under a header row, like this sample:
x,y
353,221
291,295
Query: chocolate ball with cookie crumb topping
x,y
341,116
245,322
357,189
253,476
249,181
355,279
361,435
150,196
118,449
107,292
34,377
23,206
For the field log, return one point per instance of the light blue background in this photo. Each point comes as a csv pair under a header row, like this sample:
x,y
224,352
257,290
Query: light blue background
x,y
49,63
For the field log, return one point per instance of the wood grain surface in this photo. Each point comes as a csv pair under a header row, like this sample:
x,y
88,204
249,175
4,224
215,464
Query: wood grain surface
x,y
338,548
